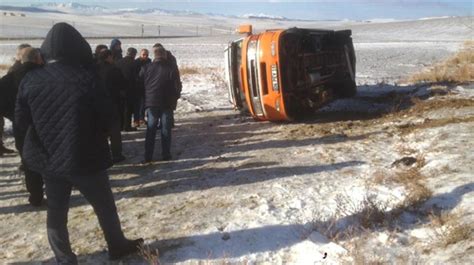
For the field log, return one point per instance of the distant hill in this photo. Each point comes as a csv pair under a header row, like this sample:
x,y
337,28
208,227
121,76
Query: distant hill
x,y
71,8
155,11
27,9
264,16
76,8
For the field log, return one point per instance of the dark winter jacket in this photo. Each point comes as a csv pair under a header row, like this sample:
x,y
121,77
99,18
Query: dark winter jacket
x,y
62,111
140,85
170,57
9,88
7,92
113,81
129,69
15,66
160,78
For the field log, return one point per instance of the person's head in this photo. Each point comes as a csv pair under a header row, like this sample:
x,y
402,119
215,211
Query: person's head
x,y
32,55
106,56
116,45
159,53
65,44
99,48
158,45
19,50
144,54
132,52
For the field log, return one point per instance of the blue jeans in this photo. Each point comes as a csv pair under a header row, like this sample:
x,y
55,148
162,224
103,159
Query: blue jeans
x,y
96,189
155,115
139,114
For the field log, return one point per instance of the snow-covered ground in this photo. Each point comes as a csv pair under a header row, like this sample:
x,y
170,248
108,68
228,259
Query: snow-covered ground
x,y
244,192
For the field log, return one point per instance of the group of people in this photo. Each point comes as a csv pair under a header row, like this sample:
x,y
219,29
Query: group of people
x,y
125,79
65,104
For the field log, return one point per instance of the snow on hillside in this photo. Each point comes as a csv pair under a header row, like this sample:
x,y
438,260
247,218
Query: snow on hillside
x,y
263,16
428,18
244,192
71,7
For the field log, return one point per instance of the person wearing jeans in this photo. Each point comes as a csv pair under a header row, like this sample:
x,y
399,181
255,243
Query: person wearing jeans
x,y
139,116
159,79
155,115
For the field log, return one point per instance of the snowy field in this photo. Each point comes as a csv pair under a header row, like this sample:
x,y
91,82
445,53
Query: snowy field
x,y
244,192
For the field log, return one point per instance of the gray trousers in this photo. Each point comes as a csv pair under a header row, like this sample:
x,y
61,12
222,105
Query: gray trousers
x,y
96,189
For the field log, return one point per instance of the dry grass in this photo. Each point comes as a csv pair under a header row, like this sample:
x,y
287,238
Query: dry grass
x,y
457,69
402,106
360,255
417,107
365,215
189,70
420,106
368,213
413,181
371,215
149,255
4,67
215,73
429,123
417,195
449,228
379,177
455,233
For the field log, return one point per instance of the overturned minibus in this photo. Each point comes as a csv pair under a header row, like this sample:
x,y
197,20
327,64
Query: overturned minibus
x,y
287,74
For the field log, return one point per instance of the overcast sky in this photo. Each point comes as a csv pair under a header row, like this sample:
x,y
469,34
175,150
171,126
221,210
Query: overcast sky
x,y
322,9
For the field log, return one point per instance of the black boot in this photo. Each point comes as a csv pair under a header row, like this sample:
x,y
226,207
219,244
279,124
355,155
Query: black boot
x,y
130,247
118,158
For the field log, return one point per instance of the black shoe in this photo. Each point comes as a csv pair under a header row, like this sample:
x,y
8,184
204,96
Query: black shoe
x,y
166,158
4,150
130,247
118,159
35,202
146,162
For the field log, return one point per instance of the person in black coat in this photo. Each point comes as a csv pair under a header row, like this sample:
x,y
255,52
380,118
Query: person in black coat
x,y
63,114
5,99
31,59
139,117
114,82
10,82
129,69
160,79
172,60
